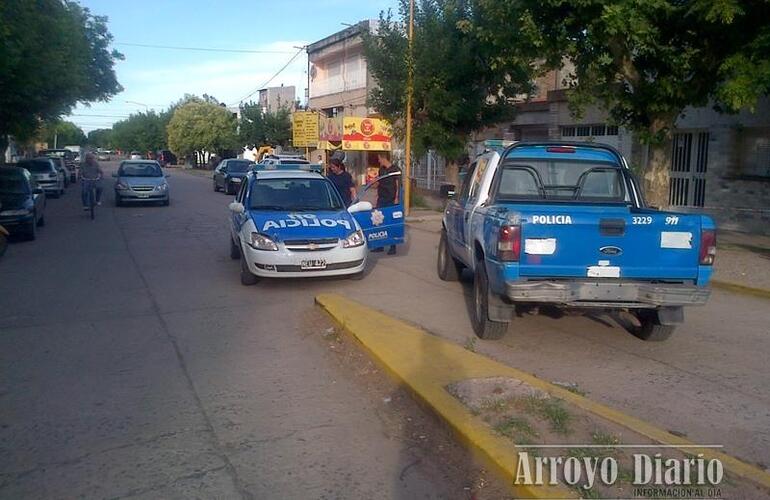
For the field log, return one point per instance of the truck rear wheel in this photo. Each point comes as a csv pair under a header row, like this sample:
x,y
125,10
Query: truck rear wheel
x,y
448,268
484,327
651,329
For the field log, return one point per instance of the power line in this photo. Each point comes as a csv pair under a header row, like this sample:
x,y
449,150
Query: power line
x,y
203,49
269,79
101,116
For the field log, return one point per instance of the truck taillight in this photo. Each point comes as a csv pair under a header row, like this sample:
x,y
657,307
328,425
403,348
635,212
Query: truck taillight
x,y
708,247
509,243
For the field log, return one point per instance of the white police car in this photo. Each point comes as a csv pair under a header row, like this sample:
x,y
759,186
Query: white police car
x,y
290,224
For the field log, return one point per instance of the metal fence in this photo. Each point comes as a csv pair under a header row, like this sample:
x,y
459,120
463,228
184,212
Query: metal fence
x,y
428,171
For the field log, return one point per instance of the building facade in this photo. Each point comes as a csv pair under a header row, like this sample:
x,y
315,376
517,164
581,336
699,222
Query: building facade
x,y
339,84
272,99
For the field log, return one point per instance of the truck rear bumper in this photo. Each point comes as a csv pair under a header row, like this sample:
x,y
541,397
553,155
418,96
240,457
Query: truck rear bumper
x,y
586,293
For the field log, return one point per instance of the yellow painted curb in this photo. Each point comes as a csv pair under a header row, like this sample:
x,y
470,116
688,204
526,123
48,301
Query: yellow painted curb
x,y
742,289
426,364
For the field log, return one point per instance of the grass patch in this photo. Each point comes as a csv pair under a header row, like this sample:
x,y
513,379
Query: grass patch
x,y
552,410
418,201
605,439
470,344
516,427
495,405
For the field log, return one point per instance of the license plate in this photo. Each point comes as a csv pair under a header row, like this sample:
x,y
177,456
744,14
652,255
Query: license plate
x,y
237,181
143,195
604,272
313,264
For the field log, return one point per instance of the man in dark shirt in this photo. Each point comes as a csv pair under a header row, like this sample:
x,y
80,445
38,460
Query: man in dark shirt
x,y
342,180
387,189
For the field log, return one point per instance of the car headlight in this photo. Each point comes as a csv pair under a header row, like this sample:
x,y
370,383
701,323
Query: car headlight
x,y
23,211
121,186
354,240
262,242
161,187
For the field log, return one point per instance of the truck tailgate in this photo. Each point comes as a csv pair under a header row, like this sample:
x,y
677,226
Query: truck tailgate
x,y
607,242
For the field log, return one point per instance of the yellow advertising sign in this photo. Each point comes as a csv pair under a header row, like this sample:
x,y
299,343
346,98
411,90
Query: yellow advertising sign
x,y
304,126
366,134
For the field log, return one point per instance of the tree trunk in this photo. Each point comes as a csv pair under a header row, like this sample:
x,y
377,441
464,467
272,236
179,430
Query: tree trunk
x,y
656,174
451,174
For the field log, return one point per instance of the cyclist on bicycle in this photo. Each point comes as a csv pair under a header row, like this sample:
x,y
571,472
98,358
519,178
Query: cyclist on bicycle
x,y
91,176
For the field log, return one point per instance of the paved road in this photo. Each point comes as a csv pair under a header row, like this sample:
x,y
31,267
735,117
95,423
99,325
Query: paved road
x,y
134,364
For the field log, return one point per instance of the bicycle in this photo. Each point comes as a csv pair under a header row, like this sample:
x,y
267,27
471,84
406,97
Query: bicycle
x,y
91,195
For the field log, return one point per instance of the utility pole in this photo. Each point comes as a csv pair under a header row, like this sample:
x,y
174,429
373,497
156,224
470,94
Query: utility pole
x,y
409,92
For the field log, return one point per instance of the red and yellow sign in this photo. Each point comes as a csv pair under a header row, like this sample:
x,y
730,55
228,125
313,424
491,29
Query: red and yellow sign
x,y
366,134
330,133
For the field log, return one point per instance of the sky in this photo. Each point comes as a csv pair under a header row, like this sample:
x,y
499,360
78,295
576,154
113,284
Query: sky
x,y
154,78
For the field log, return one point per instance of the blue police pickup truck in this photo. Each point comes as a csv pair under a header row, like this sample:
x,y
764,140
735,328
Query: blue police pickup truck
x,y
566,225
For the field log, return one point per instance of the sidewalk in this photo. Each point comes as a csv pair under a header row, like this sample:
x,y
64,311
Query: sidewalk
x,y
742,259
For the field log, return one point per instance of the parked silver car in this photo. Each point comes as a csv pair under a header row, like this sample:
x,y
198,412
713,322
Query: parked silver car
x,y
141,181
45,174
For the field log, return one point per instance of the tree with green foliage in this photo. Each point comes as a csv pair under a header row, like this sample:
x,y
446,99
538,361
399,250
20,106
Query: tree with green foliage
x,y
201,128
61,133
141,132
458,88
257,128
642,61
101,138
53,54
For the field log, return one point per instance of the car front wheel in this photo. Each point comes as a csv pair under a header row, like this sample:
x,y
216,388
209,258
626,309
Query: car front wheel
x,y
247,277
448,268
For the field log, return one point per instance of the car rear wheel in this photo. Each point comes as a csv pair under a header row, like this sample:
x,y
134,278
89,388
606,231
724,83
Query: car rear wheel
x,y
216,188
235,252
484,327
31,232
247,277
448,268
651,329
229,188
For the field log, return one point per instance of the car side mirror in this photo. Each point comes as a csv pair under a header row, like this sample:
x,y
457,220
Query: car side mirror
x,y
361,206
237,207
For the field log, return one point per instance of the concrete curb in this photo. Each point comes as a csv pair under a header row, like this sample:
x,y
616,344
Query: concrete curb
x,y
742,289
426,364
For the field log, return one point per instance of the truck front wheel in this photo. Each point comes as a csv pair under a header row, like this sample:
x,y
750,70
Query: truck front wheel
x,y
446,265
651,329
484,327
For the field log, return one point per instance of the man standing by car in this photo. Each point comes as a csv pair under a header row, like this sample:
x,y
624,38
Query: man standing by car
x,y
387,189
91,176
342,180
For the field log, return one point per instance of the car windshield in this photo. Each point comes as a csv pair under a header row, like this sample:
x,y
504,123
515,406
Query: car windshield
x,y
294,195
239,166
140,170
36,165
561,180
13,184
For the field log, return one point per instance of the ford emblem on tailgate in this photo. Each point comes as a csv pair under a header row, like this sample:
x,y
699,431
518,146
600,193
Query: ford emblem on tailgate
x,y
611,250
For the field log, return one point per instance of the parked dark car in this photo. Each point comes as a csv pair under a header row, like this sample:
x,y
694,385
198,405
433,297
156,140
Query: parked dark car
x,y
61,167
166,157
44,173
230,173
22,202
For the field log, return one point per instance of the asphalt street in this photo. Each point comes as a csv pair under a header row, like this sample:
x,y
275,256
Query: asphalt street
x,y
134,364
